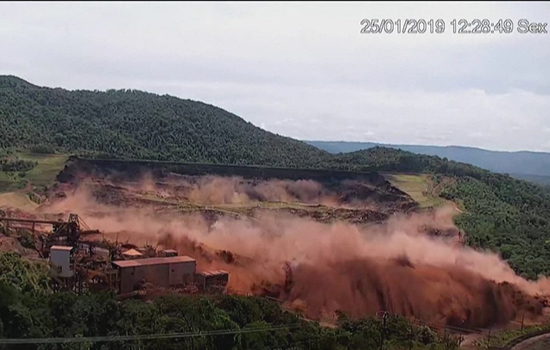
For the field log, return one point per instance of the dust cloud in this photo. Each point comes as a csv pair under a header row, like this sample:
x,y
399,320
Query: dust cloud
x,y
212,190
321,268
218,190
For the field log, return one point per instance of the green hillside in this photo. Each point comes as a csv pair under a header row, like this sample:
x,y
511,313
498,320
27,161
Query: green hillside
x,y
136,124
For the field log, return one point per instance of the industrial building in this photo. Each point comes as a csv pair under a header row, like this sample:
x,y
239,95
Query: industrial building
x,y
163,272
79,262
60,259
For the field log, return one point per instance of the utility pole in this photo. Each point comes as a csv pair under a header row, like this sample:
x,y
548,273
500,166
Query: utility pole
x,y
522,319
383,333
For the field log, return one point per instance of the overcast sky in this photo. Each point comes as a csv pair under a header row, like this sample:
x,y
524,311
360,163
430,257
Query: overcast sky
x,y
303,69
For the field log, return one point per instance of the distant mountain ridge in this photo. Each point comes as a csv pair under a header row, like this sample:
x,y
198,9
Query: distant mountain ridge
x,y
532,166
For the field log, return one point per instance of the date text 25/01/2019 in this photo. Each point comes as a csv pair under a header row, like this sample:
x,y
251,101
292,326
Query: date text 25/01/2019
x,y
460,26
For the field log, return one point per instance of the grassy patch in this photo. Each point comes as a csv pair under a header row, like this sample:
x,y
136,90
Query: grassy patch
x,y
49,165
43,174
10,181
418,186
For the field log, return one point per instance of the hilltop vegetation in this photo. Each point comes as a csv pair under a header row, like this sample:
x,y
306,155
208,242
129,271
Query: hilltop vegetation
x,y
532,166
13,169
394,160
19,168
136,124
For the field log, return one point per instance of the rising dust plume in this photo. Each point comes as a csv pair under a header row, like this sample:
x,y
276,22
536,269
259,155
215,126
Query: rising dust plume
x,y
321,268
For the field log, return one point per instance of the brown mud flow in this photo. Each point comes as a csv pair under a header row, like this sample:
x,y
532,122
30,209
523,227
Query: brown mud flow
x,y
398,260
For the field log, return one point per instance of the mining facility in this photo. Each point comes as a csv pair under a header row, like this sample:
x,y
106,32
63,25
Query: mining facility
x,y
79,261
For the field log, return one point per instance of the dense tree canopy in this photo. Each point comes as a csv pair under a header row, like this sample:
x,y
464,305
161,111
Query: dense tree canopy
x,y
136,124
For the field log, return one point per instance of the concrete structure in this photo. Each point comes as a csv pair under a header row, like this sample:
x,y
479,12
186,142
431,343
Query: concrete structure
x,y
60,258
160,272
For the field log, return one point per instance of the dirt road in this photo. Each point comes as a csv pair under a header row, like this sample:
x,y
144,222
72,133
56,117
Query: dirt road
x,y
541,342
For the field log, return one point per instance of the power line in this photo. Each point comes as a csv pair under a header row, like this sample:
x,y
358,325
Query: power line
x,y
297,342
142,336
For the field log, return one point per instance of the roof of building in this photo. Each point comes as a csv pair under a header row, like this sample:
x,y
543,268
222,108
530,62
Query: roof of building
x,y
132,252
169,250
153,261
60,247
213,272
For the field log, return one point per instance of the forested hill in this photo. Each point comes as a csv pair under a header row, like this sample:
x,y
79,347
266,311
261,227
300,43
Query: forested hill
x,y
136,124
533,166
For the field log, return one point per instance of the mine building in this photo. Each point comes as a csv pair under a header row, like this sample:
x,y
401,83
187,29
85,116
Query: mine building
x,y
60,259
163,272
82,260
